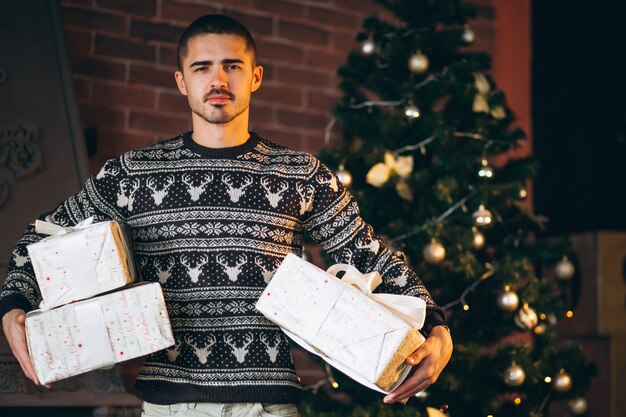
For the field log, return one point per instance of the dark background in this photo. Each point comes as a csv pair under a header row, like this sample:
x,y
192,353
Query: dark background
x,y
579,114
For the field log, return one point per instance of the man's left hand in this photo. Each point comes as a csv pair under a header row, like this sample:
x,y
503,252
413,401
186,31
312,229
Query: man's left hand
x,y
430,359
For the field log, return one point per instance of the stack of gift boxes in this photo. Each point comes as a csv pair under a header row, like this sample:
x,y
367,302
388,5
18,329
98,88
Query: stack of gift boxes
x,y
91,316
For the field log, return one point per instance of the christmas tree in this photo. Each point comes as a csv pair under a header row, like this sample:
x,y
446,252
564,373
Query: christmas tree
x,y
422,124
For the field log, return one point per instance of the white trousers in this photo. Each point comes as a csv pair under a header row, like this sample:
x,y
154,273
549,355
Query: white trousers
x,y
219,410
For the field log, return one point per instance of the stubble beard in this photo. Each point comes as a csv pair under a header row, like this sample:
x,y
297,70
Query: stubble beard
x,y
218,113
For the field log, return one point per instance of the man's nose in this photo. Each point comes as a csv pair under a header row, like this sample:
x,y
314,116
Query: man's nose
x,y
219,78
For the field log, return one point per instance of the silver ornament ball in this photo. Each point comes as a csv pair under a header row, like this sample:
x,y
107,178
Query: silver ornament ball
x,y
434,252
418,63
468,35
564,269
482,216
577,405
514,375
562,382
508,300
486,170
411,111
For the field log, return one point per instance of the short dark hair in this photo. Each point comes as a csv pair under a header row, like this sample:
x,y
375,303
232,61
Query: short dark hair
x,y
214,24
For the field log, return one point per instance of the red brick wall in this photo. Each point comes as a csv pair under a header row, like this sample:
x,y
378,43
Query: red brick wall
x,y
123,54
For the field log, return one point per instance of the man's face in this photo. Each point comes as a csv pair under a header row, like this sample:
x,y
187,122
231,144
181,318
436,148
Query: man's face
x,y
218,77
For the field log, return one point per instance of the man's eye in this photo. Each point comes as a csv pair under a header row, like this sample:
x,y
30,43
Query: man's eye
x,y
231,67
200,69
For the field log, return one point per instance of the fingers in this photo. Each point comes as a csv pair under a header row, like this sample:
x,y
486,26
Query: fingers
x,y
423,377
15,332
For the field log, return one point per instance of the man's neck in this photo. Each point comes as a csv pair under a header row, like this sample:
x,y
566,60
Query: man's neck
x,y
219,135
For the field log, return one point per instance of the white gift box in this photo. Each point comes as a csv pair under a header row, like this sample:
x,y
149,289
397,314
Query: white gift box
x,y
366,336
80,262
99,332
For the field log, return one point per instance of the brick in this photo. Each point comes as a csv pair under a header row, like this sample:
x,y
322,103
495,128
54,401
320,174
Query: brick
x,y
304,34
78,42
98,68
322,101
146,8
173,102
102,116
94,20
123,95
305,77
269,50
302,119
149,31
118,141
184,12
283,137
156,122
325,60
149,75
280,7
333,17
82,88
257,25
261,114
123,48
285,95
270,72
344,42
168,56
313,143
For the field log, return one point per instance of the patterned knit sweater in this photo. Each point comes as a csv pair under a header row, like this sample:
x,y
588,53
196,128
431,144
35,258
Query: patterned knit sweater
x,y
211,225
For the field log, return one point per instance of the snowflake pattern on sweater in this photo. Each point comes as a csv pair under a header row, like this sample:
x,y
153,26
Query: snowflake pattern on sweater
x,y
212,225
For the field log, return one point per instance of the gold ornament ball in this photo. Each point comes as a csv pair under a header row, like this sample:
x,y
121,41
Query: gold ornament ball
x,y
434,252
418,63
368,47
526,317
344,176
482,216
577,405
564,269
508,300
478,242
514,375
562,382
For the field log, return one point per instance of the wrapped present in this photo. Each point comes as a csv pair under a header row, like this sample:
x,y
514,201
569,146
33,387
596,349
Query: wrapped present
x,y
99,332
367,336
79,262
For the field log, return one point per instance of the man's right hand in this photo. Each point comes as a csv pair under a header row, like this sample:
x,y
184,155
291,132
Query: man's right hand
x,y
14,326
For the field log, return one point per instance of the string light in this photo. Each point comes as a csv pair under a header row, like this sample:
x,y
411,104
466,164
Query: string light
x,y
461,299
569,314
517,401
437,220
547,379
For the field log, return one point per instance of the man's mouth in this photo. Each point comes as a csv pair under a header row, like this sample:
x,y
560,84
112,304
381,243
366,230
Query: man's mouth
x,y
218,97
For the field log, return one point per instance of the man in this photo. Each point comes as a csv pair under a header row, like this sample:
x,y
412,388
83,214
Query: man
x,y
212,213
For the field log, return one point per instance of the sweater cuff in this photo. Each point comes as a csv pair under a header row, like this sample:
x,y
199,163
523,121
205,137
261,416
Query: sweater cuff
x,y
435,316
13,301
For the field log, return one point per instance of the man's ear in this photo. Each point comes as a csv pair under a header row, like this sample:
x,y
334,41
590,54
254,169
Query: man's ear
x,y
180,82
257,77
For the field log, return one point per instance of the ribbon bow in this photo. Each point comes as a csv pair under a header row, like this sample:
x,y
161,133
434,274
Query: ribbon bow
x,y
380,173
410,309
47,228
